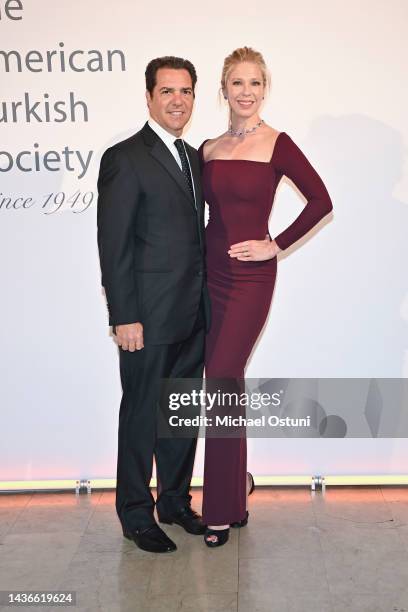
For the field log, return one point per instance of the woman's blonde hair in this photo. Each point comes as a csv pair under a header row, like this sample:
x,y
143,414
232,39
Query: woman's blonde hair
x,y
244,54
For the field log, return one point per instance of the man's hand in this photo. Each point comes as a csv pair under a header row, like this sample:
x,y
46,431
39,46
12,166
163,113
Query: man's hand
x,y
254,250
130,336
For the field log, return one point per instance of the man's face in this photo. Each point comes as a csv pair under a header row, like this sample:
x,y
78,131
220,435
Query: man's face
x,y
171,102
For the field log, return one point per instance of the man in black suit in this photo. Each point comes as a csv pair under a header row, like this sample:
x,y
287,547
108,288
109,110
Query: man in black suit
x,y
151,248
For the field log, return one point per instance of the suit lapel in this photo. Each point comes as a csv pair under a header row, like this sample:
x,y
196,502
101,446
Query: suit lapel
x,y
195,168
196,172
160,152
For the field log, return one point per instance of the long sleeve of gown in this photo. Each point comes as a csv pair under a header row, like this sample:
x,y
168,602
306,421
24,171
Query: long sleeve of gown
x,y
291,162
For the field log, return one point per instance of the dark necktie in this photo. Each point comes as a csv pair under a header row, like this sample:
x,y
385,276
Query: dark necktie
x,y
184,164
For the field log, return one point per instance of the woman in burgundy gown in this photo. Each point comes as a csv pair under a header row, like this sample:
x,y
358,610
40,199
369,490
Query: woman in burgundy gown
x,y
241,170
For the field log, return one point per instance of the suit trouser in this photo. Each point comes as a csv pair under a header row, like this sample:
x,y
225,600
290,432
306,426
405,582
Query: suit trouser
x,y
141,372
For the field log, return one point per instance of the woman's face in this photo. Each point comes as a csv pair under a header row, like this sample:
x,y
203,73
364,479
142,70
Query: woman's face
x,y
245,89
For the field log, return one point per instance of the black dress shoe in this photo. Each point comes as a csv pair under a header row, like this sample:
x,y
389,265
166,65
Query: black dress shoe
x,y
151,538
187,518
222,536
242,523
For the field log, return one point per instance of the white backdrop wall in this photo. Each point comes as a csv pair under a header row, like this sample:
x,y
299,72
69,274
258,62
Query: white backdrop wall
x,y
340,307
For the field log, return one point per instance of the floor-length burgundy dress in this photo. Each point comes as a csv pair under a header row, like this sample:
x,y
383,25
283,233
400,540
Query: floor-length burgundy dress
x,y
240,195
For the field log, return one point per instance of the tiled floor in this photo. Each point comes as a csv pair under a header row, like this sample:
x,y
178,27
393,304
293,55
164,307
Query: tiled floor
x,y
344,551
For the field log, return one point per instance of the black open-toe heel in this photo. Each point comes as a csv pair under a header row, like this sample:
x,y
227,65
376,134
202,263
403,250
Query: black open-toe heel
x,y
242,523
252,481
222,536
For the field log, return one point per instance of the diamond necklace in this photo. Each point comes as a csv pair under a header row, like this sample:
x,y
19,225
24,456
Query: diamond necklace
x,y
244,132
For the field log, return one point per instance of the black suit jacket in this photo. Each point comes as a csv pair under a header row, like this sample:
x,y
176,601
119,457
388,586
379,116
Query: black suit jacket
x,y
151,238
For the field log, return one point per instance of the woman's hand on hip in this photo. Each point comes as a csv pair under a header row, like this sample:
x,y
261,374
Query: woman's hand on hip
x,y
254,250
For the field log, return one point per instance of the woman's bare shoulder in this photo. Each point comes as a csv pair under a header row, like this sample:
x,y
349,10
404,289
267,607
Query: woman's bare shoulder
x,y
271,132
211,144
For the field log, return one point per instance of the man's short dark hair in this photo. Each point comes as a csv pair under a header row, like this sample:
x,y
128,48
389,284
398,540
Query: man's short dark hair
x,y
168,61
